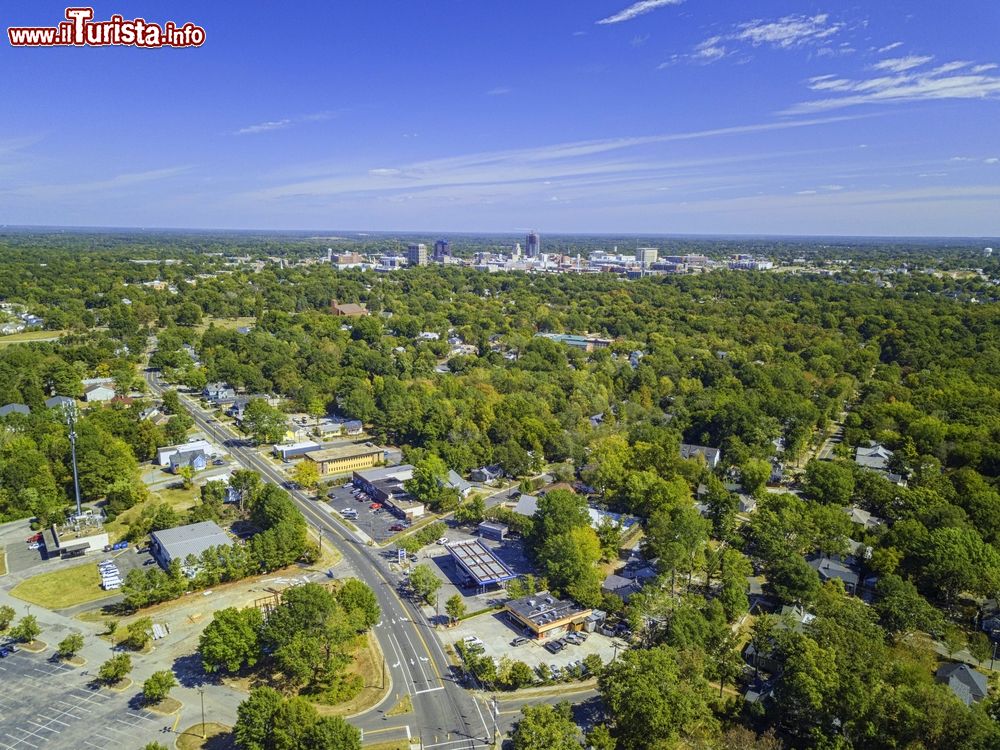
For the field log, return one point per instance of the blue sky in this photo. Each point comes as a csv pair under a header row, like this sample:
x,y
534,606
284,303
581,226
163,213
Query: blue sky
x,y
701,116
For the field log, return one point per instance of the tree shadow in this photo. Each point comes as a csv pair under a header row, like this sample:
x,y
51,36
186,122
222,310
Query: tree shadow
x,y
190,671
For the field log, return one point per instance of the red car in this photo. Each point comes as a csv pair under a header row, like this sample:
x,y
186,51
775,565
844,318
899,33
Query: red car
x,y
36,538
376,506
397,527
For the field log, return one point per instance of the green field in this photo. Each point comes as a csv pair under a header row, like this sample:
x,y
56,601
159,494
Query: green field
x,y
63,588
21,338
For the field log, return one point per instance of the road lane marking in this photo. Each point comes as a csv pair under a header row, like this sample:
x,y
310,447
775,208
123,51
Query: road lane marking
x,y
430,690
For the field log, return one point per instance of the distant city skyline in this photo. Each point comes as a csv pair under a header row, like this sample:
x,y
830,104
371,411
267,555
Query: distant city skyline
x,y
659,117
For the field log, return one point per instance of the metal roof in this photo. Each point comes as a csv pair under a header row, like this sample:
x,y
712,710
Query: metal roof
x,y
478,560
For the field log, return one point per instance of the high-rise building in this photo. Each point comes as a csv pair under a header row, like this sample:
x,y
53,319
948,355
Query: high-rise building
x,y
532,245
646,256
416,254
442,250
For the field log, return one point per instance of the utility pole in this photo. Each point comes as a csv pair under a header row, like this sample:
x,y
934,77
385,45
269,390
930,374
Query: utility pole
x,y
71,421
383,672
204,731
496,715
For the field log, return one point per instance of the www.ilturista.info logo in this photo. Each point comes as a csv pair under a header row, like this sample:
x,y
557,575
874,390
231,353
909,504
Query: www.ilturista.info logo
x,y
80,30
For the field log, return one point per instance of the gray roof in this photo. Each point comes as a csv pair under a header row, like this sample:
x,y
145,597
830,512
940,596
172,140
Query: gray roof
x,y
186,458
456,482
829,567
966,683
690,451
527,505
57,401
14,408
874,456
193,539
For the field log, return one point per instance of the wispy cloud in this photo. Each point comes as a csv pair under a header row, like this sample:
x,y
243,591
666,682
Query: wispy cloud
x,y
906,84
499,91
902,64
638,9
889,47
992,160
282,124
567,166
121,181
788,32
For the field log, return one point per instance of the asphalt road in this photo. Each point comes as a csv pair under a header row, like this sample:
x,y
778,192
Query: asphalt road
x,y
445,715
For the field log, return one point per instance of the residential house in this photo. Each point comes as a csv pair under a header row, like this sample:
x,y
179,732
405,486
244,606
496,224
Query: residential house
x,y
968,685
98,393
353,427
14,409
712,456
193,459
7,329
833,567
863,518
991,626
163,454
790,618
620,586
348,309
876,457
486,474
747,503
455,482
60,402
219,393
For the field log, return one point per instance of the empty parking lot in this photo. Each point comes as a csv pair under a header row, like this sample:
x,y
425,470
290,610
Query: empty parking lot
x,y
48,704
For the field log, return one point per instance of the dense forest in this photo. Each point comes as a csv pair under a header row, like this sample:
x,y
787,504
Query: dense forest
x,y
758,365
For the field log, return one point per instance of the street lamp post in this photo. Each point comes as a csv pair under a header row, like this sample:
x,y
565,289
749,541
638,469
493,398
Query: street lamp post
x,y
204,730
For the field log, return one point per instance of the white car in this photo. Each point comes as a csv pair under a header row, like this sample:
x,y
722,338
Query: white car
x,y
443,540
34,545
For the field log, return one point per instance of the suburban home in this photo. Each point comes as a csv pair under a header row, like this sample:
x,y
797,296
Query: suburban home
x,y
863,518
712,456
98,393
455,482
486,474
790,618
747,503
526,505
621,586
353,427
833,567
219,393
14,409
991,626
193,459
968,685
876,457
348,309
193,539
60,402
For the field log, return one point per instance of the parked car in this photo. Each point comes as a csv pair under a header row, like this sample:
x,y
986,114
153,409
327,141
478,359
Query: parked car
x,y
443,540
34,545
376,506
519,641
34,538
397,527
553,647
218,462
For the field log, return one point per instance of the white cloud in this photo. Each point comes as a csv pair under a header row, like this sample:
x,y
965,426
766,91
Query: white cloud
x,y
991,160
788,32
902,64
638,9
889,47
129,180
286,122
948,81
264,127
806,192
498,91
985,68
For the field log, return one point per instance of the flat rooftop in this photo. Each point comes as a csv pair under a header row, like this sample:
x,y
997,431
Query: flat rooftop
x,y
543,608
342,451
402,473
479,561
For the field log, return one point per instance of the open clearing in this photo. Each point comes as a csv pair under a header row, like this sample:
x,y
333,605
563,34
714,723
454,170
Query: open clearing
x,y
63,588
29,336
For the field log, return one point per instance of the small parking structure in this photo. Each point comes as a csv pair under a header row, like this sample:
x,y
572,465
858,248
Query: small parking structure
x,y
48,704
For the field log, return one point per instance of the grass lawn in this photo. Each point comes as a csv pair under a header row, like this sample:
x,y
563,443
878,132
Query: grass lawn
x,y
3,562
228,323
394,745
217,737
179,499
63,588
368,665
21,338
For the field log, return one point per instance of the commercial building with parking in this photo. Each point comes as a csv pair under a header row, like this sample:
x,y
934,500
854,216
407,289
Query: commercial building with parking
x,y
345,459
542,615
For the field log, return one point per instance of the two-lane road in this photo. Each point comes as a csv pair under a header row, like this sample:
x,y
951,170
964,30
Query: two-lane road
x,y
445,715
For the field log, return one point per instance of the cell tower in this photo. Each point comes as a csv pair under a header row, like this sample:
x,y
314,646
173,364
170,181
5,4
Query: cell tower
x,y
71,422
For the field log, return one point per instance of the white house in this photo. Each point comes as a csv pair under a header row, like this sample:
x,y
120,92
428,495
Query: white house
x,y
98,392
